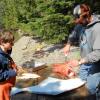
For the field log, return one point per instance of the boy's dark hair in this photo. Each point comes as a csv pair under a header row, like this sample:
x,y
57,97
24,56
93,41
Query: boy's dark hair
x,y
6,36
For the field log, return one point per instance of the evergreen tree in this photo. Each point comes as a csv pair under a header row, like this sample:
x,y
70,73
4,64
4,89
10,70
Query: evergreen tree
x,y
55,19
51,20
10,15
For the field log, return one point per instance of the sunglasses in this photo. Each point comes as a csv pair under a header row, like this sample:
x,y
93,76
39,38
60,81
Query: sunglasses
x,y
76,16
11,43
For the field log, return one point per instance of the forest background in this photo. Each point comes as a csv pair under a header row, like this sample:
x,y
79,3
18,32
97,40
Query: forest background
x,y
51,20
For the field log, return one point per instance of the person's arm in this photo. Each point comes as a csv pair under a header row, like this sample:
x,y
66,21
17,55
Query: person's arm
x,y
6,74
75,34
82,61
66,49
72,39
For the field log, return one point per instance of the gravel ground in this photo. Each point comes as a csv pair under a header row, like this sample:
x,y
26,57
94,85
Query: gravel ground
x,y
28,50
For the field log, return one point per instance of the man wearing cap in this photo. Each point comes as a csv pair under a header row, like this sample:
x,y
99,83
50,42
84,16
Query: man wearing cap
x,y
87,34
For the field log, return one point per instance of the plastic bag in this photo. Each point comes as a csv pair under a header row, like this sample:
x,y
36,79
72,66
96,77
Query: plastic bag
x,y
63,69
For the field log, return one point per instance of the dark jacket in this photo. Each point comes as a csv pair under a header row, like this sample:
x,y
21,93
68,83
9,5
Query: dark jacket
x,y
5,68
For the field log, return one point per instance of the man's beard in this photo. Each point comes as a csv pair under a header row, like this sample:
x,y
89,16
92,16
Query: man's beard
x,y
85,22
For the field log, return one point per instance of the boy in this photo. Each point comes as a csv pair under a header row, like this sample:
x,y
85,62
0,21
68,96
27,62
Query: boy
x,y
8,69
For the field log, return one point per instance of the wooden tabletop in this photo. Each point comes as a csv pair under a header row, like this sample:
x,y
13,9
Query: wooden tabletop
x,y
80,93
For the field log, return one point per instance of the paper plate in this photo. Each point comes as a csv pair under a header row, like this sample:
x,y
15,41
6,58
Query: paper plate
x,y
28,76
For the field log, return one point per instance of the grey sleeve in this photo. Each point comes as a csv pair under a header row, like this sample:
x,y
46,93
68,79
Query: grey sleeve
x,y
94,56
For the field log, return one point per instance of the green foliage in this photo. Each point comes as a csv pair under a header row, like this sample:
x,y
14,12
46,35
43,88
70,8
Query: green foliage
x,y
48,19
1,12
26,28
25,10
51,20
10,15
55,20
53,28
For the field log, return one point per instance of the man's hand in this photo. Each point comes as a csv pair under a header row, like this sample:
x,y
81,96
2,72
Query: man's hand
x,y
66,49
73,63
64,70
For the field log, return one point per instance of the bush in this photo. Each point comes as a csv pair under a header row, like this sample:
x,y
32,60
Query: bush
x,y
26,28
53,28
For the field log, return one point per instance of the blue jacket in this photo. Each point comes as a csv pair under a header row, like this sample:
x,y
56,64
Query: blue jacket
x,y
5,70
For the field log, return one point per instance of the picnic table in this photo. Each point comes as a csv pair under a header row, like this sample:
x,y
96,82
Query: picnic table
x,y
44,71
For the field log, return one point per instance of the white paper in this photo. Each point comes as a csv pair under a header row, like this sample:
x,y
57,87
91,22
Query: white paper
x,y
28,76
54,86
16,90
37,64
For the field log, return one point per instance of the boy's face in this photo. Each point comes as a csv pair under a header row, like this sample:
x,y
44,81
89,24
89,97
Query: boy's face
x,y
8,45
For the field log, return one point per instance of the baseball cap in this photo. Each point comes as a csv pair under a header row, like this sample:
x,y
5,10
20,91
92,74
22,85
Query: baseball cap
x,y
77,11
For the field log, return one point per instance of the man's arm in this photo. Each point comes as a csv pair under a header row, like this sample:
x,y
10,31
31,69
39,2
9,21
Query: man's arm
x,y
75,34
72,39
